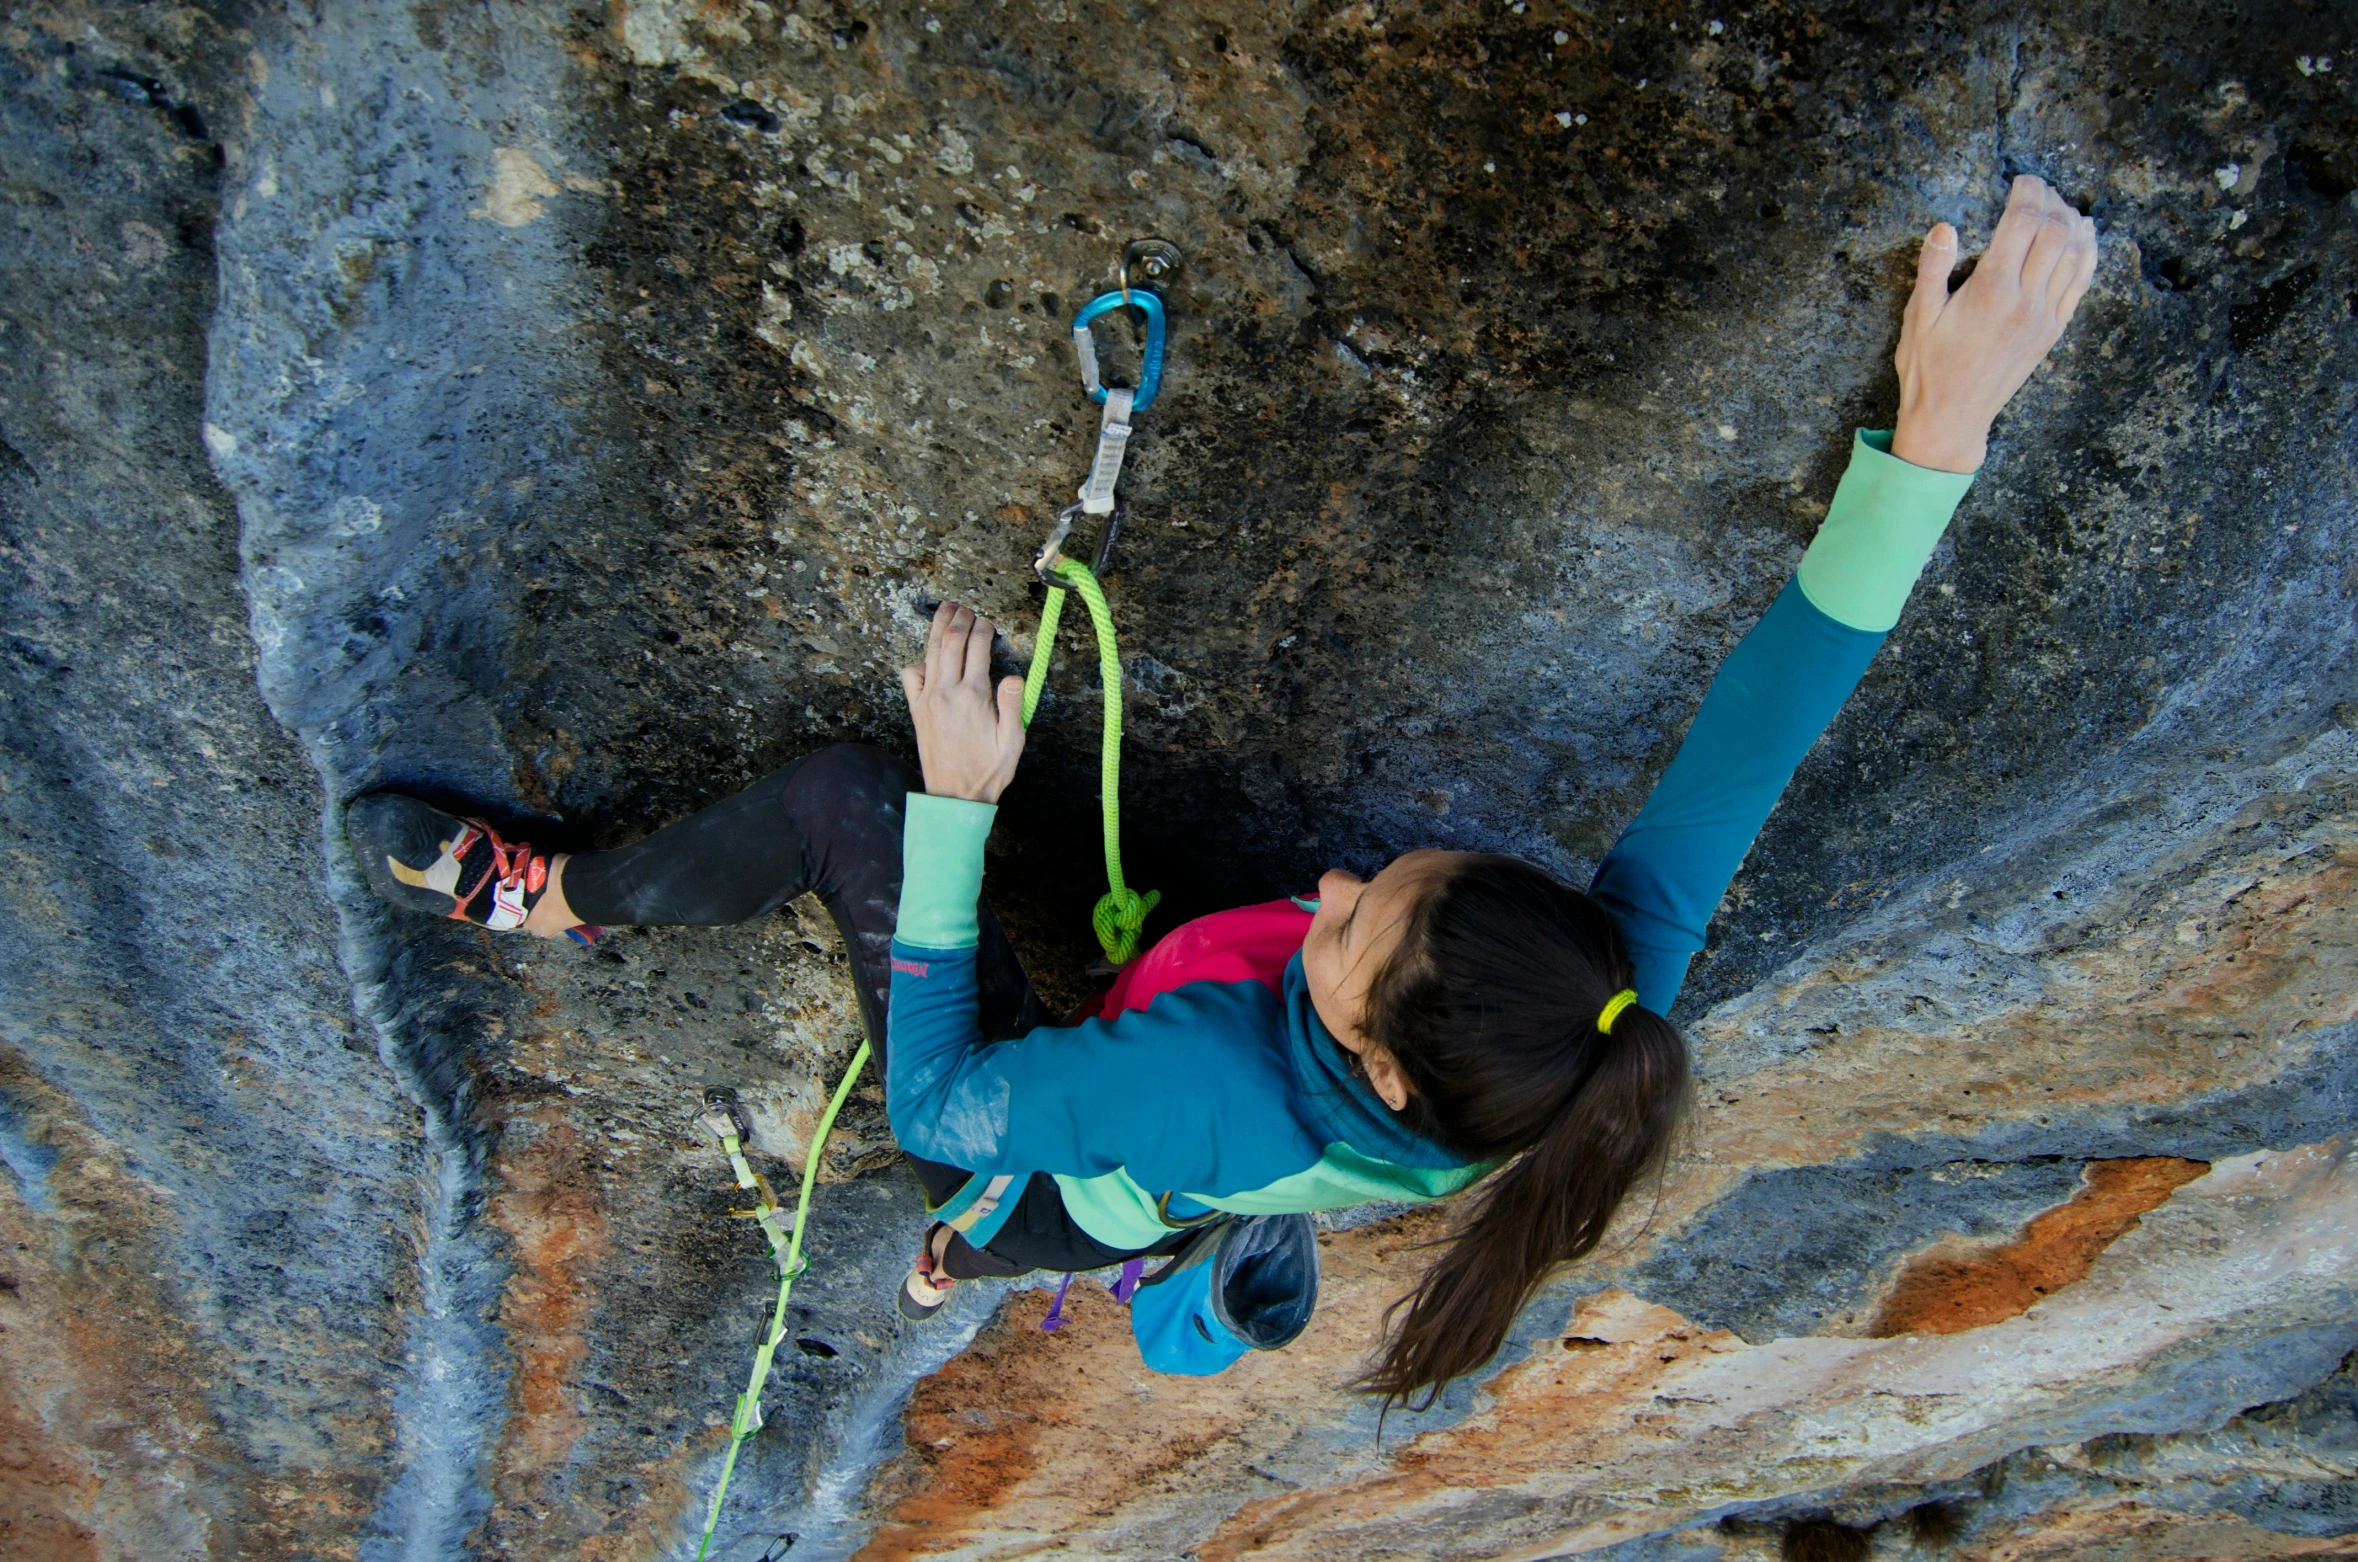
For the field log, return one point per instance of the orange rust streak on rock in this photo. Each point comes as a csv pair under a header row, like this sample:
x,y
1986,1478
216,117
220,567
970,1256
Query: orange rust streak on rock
x,y
1560,1409
42,1484
1949,1292
551,1211
972,1447
1028,1434
1654,1420
105,1428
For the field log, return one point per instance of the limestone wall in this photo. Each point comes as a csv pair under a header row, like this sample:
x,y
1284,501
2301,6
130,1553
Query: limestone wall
x,y
573,409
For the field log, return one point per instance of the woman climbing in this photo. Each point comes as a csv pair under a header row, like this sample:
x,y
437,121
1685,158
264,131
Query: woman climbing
x,y
1458,1018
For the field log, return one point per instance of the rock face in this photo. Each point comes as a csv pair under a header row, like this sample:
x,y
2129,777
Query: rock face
x,y
574,410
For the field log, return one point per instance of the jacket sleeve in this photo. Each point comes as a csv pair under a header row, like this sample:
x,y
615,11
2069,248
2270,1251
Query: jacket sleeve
x,y
1129,1092
1776,694
933,1020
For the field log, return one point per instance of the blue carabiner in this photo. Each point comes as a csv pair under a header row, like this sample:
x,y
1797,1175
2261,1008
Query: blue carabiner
x,y
1150,373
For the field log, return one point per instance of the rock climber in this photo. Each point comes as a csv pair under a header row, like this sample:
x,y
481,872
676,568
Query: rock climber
x,y
1460,1020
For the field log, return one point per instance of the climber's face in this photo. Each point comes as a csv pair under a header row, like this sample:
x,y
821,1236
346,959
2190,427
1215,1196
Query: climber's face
x,y
1358,928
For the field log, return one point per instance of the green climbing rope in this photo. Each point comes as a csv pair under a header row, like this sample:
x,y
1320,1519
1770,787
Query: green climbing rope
x,y
1121,912
748,1416
1119,916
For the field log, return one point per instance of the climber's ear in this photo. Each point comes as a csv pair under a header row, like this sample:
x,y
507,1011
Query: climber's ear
x,y
1386,1076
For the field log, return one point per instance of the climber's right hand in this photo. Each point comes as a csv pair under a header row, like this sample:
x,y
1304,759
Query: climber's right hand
x,y
969,736
1963,355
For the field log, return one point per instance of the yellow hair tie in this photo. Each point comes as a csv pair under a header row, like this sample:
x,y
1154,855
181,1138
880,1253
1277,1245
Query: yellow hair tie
x,y
1621,1000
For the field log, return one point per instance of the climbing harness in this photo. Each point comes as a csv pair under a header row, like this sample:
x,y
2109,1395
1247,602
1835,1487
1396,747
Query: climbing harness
x,y
726,1120
1119,914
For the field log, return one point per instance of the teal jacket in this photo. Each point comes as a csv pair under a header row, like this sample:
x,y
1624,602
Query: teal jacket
x,y
1227,1093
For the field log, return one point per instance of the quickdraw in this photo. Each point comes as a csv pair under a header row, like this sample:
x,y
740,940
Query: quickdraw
x,y
1119,914
725,1119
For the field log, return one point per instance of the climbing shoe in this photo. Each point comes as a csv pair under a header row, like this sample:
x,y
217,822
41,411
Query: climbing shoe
x,y
421,859
926,1288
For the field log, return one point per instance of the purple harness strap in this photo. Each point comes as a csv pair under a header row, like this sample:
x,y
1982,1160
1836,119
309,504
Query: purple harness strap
x,y
1055,1319
1125,1284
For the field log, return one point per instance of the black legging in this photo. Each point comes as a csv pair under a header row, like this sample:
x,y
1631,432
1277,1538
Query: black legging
x,y
831,823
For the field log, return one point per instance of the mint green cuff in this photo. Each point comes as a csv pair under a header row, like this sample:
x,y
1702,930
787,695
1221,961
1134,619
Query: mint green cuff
x,y
941,871
1879,533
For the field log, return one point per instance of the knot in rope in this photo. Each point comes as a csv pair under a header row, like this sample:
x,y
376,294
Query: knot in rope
x,y
1119,917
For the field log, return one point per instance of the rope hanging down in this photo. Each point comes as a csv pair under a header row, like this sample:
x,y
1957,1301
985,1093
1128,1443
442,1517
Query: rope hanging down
x,y
722,1122
1121,911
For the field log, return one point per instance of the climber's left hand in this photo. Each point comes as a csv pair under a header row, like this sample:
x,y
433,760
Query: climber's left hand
x,y
969,737
1963,355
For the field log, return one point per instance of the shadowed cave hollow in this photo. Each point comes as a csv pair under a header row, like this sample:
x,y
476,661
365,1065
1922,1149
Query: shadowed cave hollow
x,y
570,411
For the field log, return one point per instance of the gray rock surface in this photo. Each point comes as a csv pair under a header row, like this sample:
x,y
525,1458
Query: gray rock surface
x,y
209,1245
571,411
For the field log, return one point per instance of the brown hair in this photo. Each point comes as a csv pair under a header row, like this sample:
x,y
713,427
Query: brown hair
x,y
1490,1005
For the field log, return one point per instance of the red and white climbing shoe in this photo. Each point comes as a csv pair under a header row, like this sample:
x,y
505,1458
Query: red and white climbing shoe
x,y
422,859
927,1287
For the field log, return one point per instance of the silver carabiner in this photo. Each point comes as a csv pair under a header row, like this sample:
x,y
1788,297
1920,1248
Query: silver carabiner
x,y
1044,565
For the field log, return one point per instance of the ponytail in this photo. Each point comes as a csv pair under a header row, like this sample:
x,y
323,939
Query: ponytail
x,y
1490,1007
